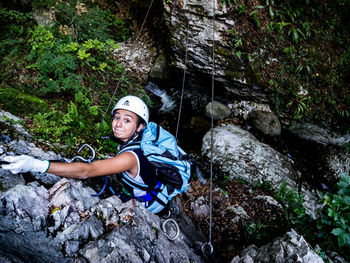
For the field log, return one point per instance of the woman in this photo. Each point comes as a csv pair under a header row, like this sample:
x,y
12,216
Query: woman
x,y
130,117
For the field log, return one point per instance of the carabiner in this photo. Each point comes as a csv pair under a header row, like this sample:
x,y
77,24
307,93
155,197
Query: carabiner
x,y
171,229
207,249
83,159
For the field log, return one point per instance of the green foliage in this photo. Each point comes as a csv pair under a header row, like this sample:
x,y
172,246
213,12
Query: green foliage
x,y
297,29
13,23
258,231
292,203
60,62
120,27
86,22
73,127
41,40
255,16
335,216
18,102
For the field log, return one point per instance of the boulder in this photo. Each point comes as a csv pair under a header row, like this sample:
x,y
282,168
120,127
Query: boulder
x,y
241,156
292,247
218,110
265,122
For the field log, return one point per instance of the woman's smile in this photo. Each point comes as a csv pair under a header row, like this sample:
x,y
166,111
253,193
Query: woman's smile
x,y
124,124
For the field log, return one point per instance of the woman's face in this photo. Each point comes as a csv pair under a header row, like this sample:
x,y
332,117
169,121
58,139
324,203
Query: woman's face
x,y
124,124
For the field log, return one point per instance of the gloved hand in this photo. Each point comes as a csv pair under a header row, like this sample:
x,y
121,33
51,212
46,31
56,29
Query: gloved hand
x,y
25,163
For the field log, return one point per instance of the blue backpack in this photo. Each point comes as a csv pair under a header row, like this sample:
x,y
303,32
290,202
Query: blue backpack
x,y
171,163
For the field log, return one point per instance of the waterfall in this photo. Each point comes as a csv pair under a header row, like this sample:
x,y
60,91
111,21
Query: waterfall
x,y
168,104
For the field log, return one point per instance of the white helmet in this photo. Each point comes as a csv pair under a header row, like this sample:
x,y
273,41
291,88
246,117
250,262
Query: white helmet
x,y
133,104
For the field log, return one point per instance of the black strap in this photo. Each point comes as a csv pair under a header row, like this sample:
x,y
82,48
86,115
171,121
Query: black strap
x,y
143,188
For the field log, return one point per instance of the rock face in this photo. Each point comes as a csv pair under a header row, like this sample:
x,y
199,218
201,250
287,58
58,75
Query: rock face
x,y
46,218
290,248
194,19
65,223
242,156
317,134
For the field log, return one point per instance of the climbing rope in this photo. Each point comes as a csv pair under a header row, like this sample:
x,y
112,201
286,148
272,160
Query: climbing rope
x,y
123,73
183,80
207,248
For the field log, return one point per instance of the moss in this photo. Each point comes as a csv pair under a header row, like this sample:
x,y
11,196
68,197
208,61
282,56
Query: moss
x,y
17,102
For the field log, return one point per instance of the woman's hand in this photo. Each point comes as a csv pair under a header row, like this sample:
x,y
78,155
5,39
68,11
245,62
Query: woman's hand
x,y
25,163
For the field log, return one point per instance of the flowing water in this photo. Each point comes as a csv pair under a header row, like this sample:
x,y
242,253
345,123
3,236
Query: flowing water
x,y
192,125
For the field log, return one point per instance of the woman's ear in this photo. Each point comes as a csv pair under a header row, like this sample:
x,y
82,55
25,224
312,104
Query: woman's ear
x,y
140,127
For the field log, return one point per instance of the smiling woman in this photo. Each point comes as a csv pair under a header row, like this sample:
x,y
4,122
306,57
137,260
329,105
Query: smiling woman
x,y
130,118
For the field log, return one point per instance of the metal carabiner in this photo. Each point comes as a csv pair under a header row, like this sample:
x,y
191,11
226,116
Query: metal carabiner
x,y
91,158
207,249
171,229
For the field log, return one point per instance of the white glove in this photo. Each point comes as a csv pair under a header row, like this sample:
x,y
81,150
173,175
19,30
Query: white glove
x,y
25,163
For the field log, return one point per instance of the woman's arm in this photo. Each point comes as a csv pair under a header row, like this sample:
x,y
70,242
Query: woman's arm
x,y
123,162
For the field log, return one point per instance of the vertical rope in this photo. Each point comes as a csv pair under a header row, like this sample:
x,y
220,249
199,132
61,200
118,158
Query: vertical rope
x,y
183,80
212,126
123,73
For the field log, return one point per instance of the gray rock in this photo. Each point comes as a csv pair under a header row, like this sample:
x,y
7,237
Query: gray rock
x,y
83,228
230,72
16,123
290,248
266,122
320,135
218,110
241,156
337,161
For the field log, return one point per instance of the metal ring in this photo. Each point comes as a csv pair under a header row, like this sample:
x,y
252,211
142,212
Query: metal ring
x,y
176,226
205,248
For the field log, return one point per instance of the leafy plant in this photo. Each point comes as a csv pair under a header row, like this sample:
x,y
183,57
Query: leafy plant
x,y
292,202
84,21
335,215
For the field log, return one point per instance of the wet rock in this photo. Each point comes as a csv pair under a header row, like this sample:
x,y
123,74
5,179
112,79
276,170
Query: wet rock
x,y
218,110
